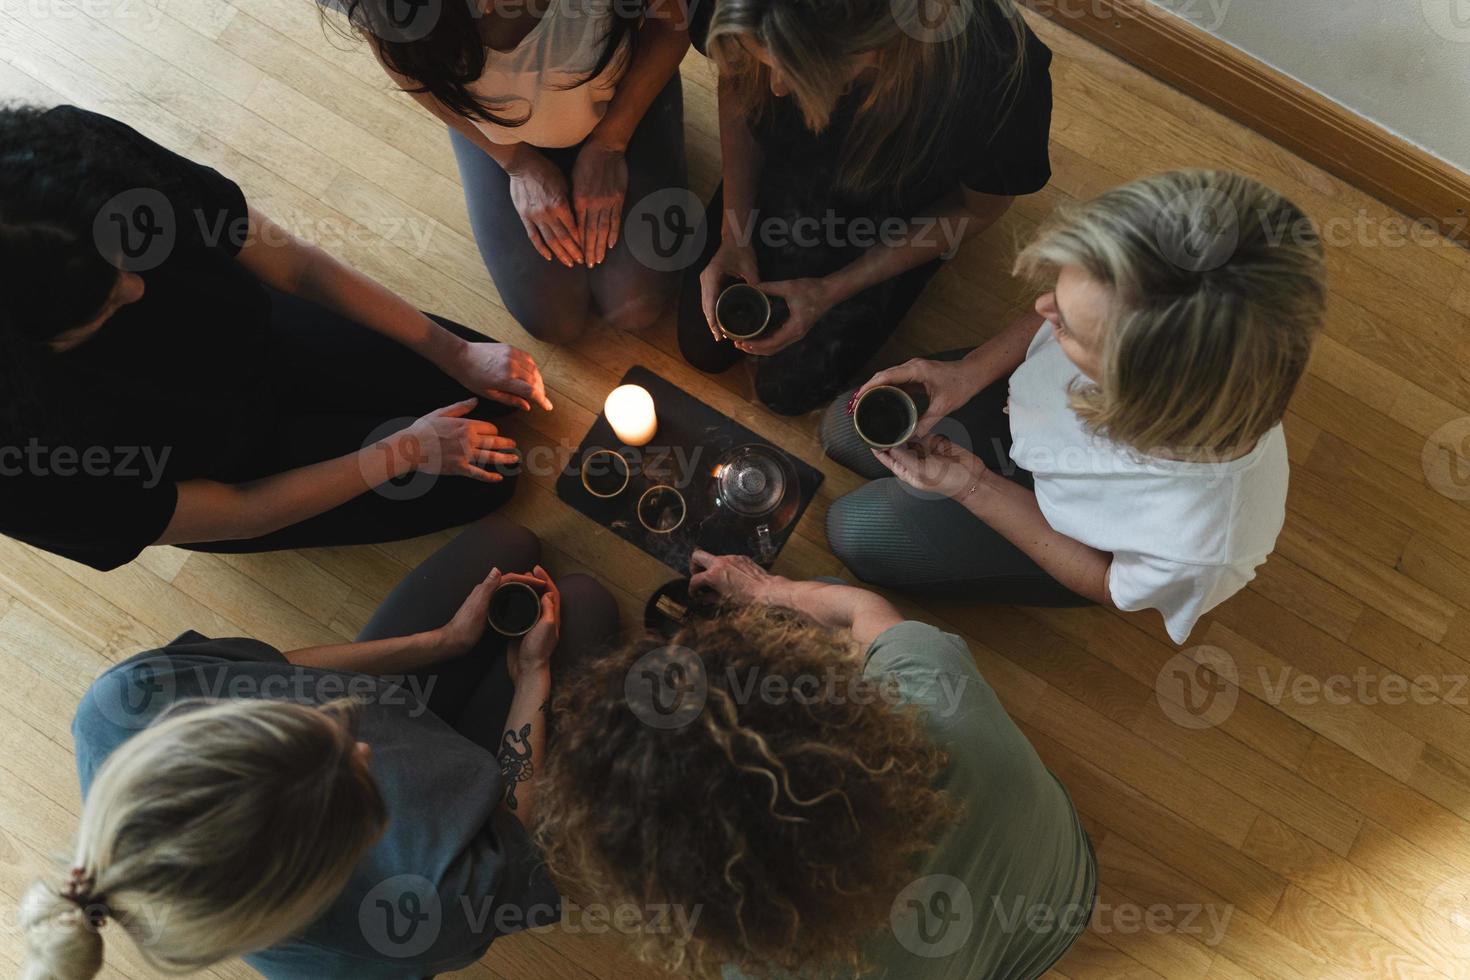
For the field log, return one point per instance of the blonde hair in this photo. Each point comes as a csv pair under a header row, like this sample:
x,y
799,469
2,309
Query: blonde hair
x,y
910,107
1218,292
786,826
219,830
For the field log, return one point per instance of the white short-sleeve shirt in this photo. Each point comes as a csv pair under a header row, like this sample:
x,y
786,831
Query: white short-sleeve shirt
x,y
1185,536
538,79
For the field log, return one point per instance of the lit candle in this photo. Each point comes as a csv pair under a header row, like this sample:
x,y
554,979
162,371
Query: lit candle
x,y
630,413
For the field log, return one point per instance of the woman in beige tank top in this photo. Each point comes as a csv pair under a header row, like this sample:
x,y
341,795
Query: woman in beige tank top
x,y
564,115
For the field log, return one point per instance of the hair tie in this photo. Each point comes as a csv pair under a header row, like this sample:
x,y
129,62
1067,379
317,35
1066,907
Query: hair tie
x,y
78,891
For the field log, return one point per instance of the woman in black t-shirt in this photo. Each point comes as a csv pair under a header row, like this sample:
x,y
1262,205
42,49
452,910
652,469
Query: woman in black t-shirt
x,y
177,369
862,141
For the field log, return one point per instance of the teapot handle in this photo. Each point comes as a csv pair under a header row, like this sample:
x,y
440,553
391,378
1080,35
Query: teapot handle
x,y
765,545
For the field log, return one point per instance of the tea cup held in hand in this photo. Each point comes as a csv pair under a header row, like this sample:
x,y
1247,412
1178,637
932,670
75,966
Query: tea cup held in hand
x,y
886,416
744,312
515,608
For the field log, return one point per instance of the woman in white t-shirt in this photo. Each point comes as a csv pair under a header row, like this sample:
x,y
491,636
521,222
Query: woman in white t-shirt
x,y
563,115
1122,444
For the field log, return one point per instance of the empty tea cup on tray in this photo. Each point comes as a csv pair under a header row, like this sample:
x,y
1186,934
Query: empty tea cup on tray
x,y
515,608
885,416
605,473
662,509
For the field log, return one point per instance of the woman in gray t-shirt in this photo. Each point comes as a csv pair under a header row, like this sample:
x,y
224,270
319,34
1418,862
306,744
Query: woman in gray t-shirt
x,y
805,783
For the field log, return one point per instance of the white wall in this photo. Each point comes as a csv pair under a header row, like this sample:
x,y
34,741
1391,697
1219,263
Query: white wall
x,y
1405,64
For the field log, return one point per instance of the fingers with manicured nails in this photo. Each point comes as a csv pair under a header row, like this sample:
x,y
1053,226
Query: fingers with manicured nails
x,y
537,242
485,458
559,242
495,442
482,474
614,225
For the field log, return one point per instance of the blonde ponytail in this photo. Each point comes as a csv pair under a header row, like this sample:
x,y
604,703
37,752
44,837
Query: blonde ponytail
x,y
220,830
63,941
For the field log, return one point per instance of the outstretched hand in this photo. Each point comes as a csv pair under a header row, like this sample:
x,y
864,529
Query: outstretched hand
x,y
733,577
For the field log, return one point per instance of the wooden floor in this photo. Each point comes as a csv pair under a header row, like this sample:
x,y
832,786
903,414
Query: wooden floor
x,y
1328,834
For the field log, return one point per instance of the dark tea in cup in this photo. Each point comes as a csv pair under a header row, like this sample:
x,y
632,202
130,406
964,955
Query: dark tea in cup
x,y
743,312
885,417
514,609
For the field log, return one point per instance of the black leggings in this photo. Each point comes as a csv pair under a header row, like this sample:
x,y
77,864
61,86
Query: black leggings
x,y
473,692
806,375
340,386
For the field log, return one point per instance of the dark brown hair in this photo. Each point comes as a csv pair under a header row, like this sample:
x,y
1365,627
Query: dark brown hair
x,y
447,56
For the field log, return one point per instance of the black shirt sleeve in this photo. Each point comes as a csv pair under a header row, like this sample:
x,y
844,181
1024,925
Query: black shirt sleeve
x,y
1007,151
209,212
101,521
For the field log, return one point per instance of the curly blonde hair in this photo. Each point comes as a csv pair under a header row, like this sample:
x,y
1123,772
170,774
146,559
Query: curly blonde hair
x,y
788,823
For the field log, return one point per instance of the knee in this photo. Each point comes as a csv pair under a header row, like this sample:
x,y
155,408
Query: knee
x,y
589,600
636,312
850,536
558,329
513,547
787,395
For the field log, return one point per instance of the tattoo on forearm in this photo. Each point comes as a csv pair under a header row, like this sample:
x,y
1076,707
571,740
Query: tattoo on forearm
x,y
515,761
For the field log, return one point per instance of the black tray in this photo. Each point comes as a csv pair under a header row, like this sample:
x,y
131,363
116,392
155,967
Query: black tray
x,y
691,437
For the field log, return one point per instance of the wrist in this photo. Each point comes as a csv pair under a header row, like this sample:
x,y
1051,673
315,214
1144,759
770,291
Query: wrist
x,y
404,450
449,353
770,591
970,494
534,681
519,160
840,285
608,136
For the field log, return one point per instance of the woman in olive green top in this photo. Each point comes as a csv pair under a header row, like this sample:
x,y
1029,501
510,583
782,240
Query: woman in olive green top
x,y
820,788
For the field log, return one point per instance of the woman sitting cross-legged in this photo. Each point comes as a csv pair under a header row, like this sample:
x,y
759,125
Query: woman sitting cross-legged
x,y
175,368
350,812
862,143
1122,444
834,791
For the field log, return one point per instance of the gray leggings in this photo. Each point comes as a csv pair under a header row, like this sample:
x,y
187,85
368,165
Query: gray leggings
x,y
888,535
554,303
473,692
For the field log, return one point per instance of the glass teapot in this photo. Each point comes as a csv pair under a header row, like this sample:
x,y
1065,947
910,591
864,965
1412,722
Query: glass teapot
x,y
756,485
